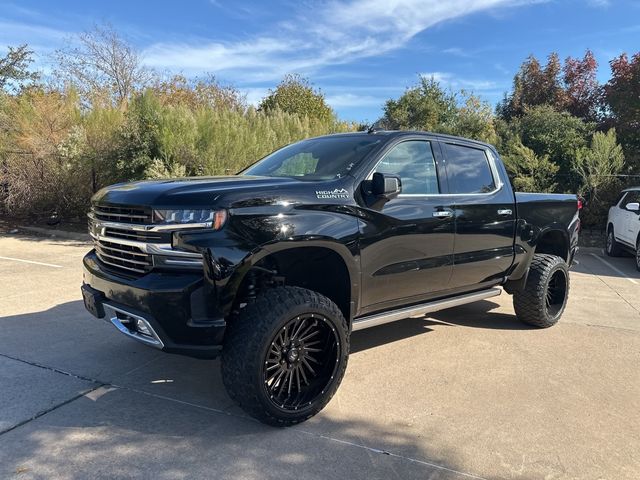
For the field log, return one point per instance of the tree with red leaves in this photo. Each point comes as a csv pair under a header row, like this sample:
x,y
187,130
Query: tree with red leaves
x,y
534,85
582,91
622,94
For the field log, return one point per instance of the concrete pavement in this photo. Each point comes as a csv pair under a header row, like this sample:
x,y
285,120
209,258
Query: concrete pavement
x,y
466,393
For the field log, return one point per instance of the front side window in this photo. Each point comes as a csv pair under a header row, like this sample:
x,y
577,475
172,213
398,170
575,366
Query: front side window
x,y
620,200
632,197
468,170
414,163
321,158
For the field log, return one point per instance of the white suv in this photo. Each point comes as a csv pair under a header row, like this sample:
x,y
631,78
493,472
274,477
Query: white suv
x,y
623,226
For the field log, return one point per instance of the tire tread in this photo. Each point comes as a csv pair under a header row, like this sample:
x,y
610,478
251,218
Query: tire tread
x,y
245,336
529,303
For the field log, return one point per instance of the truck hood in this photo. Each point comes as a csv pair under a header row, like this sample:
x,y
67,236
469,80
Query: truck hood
x,y
205,192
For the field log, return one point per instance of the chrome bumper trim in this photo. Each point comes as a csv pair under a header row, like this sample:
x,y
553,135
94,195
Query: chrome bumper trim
x,y
153,340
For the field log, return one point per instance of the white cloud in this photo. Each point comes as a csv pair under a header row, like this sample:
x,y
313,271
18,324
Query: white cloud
x,y
456,82
599,3
15,33
335,33
346,100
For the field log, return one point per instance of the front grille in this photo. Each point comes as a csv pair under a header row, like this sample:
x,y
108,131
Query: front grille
x,y
123,256
138,236
124,234
123,214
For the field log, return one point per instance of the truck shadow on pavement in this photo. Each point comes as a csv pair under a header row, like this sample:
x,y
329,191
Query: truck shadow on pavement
x,y
152,415
121,434
475,315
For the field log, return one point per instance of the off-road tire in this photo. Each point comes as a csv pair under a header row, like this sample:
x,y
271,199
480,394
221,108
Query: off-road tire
x,y
531,304
248,341
612,247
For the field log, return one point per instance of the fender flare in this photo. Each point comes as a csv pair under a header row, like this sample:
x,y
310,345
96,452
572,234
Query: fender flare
x,y
254,257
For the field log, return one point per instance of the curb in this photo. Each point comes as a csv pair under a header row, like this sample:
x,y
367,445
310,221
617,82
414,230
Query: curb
x,y
54,233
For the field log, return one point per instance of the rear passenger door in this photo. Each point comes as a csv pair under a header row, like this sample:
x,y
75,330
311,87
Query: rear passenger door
x,y
484,215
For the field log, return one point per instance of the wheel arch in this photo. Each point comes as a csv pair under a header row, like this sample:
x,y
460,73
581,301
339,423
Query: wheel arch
x,y
326,267
553,241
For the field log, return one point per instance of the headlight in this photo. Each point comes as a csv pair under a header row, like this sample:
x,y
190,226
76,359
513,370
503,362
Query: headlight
x,y
187,216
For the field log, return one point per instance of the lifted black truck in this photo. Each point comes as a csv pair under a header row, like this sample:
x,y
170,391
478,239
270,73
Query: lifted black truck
x,y
276,266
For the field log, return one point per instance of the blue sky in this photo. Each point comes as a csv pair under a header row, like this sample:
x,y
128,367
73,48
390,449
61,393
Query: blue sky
x,y
359,52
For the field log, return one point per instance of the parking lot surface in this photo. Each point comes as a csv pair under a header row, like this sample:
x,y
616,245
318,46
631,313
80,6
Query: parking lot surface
x,y
465,393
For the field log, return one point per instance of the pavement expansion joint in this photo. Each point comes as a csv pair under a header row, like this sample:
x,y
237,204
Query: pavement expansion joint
x,y
53,369
50,409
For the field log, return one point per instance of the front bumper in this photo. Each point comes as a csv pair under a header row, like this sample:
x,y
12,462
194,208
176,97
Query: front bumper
x,y
175,312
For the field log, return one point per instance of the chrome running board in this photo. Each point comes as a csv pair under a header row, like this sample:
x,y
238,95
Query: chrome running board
x,y
416,310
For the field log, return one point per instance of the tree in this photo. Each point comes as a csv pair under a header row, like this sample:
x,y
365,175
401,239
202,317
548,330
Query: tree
x,y
530,172
598,167
425,106
296,95
139,137
556,134
533,86
473,119
622,94
192,94
599,164
14,67
103,63
582,91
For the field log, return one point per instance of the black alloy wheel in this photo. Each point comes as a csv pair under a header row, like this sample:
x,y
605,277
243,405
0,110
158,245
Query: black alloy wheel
x,y
285,355
301,362
556,293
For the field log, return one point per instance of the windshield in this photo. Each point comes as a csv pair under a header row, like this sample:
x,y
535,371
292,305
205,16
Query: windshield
x,y
316,159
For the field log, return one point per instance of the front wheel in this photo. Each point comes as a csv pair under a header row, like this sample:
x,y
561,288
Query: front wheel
x,y
545,295
638,255
285,355
613,248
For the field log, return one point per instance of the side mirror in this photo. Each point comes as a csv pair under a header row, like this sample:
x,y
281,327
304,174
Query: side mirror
x,y
633,207
386,186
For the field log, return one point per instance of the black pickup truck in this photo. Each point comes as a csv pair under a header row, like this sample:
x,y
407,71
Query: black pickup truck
x,y
273,268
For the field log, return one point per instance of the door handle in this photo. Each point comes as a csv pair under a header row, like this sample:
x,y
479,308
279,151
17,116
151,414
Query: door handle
x,y
443,213
505,212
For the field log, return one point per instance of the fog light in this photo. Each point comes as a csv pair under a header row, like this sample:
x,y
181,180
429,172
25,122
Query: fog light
x,y
143,328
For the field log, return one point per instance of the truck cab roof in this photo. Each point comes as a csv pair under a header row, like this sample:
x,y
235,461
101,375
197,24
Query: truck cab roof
x,y
405,133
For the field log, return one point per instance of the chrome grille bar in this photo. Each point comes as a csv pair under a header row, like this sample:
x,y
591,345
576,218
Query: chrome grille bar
x,y
124,238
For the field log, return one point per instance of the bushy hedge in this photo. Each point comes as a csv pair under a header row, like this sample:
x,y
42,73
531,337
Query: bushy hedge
x,y
55,152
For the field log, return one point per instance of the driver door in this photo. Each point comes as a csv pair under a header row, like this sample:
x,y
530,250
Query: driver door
x,y
407,242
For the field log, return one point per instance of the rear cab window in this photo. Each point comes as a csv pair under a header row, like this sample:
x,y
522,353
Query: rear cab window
x,y
468,169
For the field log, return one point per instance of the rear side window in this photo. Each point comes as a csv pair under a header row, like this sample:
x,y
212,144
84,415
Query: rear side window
x,y
468,170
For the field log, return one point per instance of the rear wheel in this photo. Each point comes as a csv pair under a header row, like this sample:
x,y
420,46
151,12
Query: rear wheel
x,y
638,254
613,248
285,355
544,297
